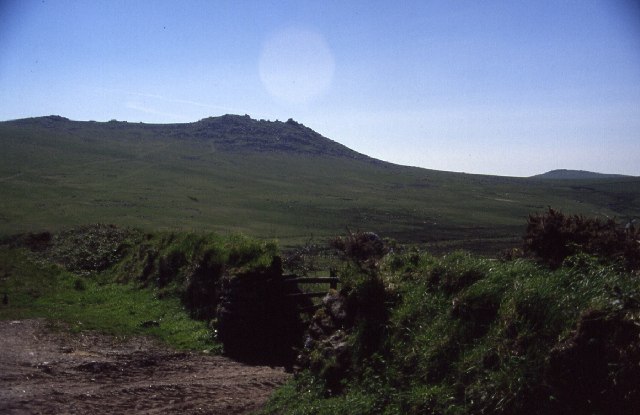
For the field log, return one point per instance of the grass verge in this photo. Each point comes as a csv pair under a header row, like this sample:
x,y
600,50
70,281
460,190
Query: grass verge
x,y
37,289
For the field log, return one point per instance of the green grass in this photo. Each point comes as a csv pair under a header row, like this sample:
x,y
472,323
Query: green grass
x,y
38,289
464,334
123,281
146,176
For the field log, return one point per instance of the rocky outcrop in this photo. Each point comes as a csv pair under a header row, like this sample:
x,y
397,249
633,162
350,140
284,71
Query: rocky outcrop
x,y
326,349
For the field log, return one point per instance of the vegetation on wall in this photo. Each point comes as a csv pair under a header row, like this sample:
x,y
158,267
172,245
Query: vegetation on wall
x,y
126,281
463,334
407,332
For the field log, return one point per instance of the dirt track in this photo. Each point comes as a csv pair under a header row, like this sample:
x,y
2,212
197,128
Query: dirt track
x,y
49,372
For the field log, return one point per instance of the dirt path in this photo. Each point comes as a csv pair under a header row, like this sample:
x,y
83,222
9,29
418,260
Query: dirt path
x,y
49,372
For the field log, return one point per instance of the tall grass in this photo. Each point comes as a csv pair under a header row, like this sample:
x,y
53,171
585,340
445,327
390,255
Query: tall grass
x,y
467,334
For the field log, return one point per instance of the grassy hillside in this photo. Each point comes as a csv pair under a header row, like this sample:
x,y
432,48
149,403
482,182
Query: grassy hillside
x,y
268,179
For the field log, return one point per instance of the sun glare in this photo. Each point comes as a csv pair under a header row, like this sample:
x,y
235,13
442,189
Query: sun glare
x,y
296,65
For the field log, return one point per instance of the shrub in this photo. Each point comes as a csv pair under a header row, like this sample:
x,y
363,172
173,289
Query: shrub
x,y
84,249
364,248
554,236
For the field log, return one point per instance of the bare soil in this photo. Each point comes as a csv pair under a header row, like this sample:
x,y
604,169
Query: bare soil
x,y
46,371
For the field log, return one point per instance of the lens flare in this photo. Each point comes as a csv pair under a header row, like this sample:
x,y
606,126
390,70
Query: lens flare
x,y
296,65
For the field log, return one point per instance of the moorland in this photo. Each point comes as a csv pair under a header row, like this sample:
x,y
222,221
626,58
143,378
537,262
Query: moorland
x,y
274,180
458,294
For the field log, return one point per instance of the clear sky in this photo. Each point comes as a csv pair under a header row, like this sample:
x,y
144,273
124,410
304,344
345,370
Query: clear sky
x,y
496,87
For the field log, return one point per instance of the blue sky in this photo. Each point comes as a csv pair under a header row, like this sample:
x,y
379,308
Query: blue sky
x,y
494,87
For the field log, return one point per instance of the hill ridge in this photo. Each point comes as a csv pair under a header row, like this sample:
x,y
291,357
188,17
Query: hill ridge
x,y
227,132
568,174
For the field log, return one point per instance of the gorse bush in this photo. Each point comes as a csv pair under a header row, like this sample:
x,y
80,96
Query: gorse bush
x,y
84,249
363,248
554,236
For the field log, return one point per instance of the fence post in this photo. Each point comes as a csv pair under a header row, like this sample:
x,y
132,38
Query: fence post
x,y
333,284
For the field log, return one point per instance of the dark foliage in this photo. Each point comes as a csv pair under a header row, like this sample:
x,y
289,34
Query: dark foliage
x,y
597,370
91,248
202,288
83,249
453,281
554,236
477,311
190,267
305,259
366,302
364,248
36,242
257,319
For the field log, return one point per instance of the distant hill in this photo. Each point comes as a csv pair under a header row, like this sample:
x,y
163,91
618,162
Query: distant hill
x,y
267,179
229,133
563,174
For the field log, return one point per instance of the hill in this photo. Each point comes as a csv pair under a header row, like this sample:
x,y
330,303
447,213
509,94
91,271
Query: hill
x,y
563,174
268,179
228,133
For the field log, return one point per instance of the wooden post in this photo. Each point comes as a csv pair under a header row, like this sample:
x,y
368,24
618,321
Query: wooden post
x,y
334,283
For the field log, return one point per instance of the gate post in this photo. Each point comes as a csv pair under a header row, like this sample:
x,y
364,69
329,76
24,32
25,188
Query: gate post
x,y
333,284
